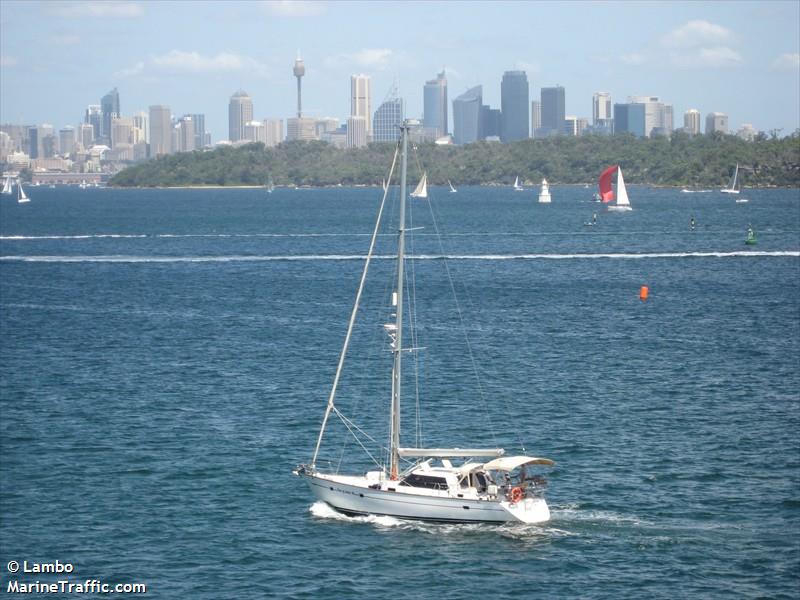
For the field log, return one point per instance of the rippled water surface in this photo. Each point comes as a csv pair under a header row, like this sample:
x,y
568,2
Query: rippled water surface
x,y
166,356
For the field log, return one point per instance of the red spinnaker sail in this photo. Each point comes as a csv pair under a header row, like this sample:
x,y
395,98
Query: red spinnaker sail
x,y
606,193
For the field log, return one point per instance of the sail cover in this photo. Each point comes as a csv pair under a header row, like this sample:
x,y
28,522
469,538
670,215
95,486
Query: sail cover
x,y
606,193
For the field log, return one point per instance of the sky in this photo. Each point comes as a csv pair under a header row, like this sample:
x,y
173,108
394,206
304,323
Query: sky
x,y
739,58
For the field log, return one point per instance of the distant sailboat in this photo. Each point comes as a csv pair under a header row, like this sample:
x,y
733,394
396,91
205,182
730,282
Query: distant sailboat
x,y
607,193
544,193
517,186
452,189
21,197
7,186
733,186
270,186
421,191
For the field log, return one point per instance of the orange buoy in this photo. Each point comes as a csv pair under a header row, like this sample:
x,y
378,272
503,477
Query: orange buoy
x,y
643,293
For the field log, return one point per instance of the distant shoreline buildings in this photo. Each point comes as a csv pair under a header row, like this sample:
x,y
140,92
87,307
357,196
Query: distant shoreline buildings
x,y
107,141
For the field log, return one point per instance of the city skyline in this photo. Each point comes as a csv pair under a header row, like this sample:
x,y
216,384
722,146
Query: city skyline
x,y
741,59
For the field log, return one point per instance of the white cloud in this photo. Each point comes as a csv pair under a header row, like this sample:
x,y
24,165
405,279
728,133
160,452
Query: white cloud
x,y
178,61
698,58
130,71
293,8
633,59
697,33
787,62
96,8
8,61
368,58
194,62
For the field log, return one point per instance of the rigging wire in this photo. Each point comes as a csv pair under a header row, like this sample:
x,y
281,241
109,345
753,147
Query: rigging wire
x,y
459,311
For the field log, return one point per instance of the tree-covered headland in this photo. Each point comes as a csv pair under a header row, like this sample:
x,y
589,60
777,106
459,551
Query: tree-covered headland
x,y
680,160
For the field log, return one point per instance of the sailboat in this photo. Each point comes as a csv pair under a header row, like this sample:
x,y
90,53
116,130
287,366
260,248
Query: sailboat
x,y
517,186
7,186
270,186
421,191
452,189
21,197
544,193
607,193
733,185
484,485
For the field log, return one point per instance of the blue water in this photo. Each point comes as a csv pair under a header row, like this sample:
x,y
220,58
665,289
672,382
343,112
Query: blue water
x,y
166,355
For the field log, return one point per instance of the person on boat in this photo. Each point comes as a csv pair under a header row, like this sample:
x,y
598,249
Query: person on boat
x,y
594,218
692,223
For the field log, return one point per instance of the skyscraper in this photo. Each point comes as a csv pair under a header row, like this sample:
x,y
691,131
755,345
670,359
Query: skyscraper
x,y
160,130
356,131
630,118
66,140
387,119
602,113
691,121
360,100
657,115
536,116
491,122
716,121
435,105
553,110
467,110
109,105
94,117
199,123
515,123
240,111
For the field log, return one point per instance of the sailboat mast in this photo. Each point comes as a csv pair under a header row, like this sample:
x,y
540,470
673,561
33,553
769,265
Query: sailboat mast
x,y
394,459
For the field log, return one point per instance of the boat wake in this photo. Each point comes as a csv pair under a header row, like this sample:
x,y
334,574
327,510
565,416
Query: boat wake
x,y
356,257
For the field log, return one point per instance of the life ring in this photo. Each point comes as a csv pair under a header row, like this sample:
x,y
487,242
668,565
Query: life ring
x,y
516,494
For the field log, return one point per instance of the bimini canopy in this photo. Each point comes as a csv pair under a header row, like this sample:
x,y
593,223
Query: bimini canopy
x,y
509,463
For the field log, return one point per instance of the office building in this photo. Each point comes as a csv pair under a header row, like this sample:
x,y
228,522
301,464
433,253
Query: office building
x,y
691,121
467,109
553,110
186,134
629,118
199,124
515,122
255,131
657,115
240,111
109,105
536,117
274,132
602,113
746,132
574,126
360,100
94,117
435,106
716,122
491,122
66,140
356,131
160,130
121,131
141,129
387,119
84,135
301,128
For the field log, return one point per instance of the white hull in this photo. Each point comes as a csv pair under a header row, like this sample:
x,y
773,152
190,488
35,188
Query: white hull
x,y
727,191
618,208
353,496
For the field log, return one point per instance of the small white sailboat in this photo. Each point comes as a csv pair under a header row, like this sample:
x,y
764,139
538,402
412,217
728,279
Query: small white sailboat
x,y
544,193
421,191
21,196
83,185
483,486
7,186
452,189
607,194
270,186
733,185
517,186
